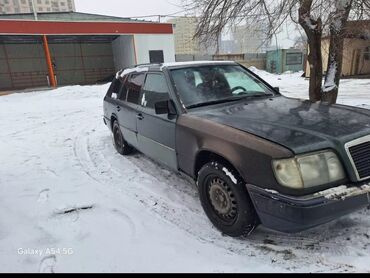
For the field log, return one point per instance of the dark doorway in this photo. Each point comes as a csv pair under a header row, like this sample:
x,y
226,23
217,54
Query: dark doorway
x,y
156,56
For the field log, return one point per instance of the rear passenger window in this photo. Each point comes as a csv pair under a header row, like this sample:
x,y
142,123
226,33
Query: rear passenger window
x,y
134,85
155,90
114,89
124,89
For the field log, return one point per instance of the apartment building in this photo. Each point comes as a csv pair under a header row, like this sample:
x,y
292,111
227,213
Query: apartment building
x,y
25,6
249,39
184,29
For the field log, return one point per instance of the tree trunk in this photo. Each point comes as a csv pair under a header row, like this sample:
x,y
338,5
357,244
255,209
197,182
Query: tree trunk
x,y
334,70
313,29
316,68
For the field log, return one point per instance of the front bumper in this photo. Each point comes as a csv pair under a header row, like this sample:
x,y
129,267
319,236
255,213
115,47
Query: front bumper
x,y
295,214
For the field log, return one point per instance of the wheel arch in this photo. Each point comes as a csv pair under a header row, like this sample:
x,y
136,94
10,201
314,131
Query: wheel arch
x,y
205,156
113,118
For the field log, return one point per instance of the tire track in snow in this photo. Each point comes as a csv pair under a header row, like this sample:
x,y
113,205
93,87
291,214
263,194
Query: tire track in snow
x,y
80,149
78,143
47,264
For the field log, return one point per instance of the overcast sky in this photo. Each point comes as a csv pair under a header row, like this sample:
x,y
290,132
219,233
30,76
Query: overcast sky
x,y
136,8
129,8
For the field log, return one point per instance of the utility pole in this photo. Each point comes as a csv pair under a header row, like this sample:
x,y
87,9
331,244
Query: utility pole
x,y
34,9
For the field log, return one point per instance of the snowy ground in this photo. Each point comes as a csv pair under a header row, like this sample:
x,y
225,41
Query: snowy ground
x,y
62,185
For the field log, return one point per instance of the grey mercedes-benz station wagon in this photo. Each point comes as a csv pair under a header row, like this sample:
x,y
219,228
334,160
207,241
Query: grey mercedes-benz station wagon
x,y
256,156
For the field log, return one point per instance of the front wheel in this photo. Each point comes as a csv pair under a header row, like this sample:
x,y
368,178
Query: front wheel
x,y
225,200
119,142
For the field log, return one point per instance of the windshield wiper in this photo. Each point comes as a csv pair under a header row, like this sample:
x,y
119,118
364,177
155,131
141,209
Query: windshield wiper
x,y
248,94
232,99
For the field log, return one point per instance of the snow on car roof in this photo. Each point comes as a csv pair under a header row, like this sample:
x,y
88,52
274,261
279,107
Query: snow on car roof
x,y
145,68
180,64
122,73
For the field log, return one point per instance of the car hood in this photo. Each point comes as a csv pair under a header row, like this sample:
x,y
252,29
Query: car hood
x,y
299,125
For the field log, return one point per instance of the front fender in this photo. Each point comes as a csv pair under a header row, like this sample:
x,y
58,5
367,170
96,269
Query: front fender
x,y
250,155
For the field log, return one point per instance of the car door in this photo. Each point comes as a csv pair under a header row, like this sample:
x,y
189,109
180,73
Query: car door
x,y
156,133
128,107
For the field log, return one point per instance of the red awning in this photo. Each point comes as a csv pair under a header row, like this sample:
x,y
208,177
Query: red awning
x,y
24,27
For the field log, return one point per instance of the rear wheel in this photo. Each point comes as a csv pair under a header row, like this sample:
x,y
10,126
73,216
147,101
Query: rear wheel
x,y
225,200
119,142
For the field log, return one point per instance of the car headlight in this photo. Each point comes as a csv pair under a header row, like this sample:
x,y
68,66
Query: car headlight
x,y
306,171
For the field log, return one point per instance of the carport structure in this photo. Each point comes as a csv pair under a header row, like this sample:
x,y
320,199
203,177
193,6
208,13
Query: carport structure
x,y
76,48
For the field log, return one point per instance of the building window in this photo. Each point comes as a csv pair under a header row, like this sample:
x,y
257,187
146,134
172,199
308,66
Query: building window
x,y
156,56
294,59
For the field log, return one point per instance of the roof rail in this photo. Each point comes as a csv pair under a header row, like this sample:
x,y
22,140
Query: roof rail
x,y
147,65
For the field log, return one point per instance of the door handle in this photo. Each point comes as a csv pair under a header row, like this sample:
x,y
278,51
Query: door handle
x,y
118,108
140,117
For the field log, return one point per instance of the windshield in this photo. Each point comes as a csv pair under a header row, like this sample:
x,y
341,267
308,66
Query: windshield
x,y
199,86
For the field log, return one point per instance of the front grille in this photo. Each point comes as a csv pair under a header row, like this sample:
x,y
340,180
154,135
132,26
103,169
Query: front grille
x,y
360,155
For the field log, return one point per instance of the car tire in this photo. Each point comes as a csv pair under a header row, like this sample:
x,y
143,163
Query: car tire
x,y
119,142
225,200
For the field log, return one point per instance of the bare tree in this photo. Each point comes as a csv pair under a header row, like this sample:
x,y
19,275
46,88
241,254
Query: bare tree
x,y
316,18
313,29
337,26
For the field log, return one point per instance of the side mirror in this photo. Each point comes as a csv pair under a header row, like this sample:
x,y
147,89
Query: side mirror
x,y
165,107
277,89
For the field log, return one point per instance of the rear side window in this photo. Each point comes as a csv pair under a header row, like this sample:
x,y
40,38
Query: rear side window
x,y
124,90
114,89
134,86
155,90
